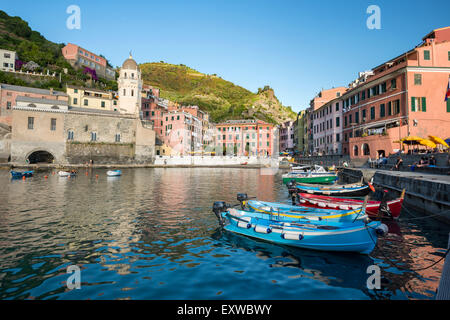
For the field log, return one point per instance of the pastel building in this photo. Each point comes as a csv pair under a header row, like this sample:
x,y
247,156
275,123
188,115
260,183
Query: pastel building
x,y
327,128
401,97
287,136
91,98
8,60
246,138
9,94
300,133
79,57
318,101
182,132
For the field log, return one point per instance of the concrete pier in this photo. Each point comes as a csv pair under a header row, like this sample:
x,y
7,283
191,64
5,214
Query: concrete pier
x,y
427,193
443,292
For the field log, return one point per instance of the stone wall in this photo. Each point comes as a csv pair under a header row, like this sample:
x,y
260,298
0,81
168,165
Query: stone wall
x,y
100,153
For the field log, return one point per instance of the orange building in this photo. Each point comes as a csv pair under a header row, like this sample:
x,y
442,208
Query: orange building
x,y
401,97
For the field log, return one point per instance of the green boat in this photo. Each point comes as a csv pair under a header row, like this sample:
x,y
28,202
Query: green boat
x,y
313,177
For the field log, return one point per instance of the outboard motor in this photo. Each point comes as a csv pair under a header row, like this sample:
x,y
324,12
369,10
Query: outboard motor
x,y
218,208
242,197
383,210
291,186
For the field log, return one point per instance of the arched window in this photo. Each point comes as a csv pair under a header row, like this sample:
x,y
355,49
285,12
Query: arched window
x,y
125,74
132,75
366,149
355,150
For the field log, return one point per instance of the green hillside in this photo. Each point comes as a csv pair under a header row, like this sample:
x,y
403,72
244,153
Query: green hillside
x,y
222,99
30,45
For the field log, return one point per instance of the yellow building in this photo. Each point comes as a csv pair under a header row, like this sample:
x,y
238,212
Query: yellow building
x,y
91,98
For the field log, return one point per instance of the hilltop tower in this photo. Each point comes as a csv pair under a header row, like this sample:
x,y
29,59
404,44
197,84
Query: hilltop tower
x,y
130,87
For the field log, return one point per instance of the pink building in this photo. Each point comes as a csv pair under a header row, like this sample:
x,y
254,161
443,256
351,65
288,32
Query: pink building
x,y
287,136
401,97
9,93
327,128
246,137
79,57
182,132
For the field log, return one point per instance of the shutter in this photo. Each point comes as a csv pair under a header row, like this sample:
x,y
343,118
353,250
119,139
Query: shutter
x,y
448,105
424,104
413,104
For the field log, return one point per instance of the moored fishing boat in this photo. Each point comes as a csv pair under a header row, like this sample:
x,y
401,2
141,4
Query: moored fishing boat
x,y
310,177
20,174
358,237
372,208
114,173
334,190
66,174
285,212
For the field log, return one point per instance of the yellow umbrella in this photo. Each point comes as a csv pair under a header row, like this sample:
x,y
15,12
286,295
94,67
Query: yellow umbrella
x,y
411,138
438,140
428,143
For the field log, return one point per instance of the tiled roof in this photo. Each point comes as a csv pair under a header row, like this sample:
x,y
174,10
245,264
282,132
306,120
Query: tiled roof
x,y
31,90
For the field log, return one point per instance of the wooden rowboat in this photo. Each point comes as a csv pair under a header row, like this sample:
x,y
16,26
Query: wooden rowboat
x,y
326,202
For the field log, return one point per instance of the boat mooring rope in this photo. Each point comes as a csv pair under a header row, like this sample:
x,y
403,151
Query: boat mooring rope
x,y
400,267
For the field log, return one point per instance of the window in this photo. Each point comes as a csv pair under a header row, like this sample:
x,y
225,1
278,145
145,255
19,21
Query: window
x,y
75,100
397,106
337,106
363,95
7,55
372,113
364,115
350,119
132,92
31,123
448,58
382,110
345,121
337,121
419,104
70,135
389,108
85,102
103,104
337,137
117,137
52,124
426,55
357,116
383,87
8,105
93,136
417,79
448,104
394,84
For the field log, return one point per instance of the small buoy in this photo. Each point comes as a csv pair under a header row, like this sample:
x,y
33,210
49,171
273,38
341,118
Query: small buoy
x,y
23,177
45,177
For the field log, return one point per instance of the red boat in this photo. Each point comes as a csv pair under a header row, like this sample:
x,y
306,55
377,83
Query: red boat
x,y
317,201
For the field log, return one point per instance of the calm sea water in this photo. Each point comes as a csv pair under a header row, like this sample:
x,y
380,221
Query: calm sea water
x,y
150,234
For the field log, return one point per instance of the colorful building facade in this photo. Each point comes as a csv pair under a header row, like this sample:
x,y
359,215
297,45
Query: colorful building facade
x,y
402,97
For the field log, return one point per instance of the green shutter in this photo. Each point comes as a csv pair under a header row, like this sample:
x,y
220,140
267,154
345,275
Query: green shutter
x,y
448,105
413,104
424,104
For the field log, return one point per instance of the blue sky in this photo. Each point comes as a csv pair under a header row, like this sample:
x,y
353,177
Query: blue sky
x,y
296,47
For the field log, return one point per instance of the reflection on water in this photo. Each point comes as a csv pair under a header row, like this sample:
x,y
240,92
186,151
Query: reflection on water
x,y
150,234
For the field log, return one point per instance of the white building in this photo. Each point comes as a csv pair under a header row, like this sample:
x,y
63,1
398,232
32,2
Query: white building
x,y
130,87
8,60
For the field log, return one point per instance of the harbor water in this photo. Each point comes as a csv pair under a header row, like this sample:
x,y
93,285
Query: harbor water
x,y
150,234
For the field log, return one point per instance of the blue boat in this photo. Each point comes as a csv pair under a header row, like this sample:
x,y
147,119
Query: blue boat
x,y
334,190
285,212
114,173
359,237
20,174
